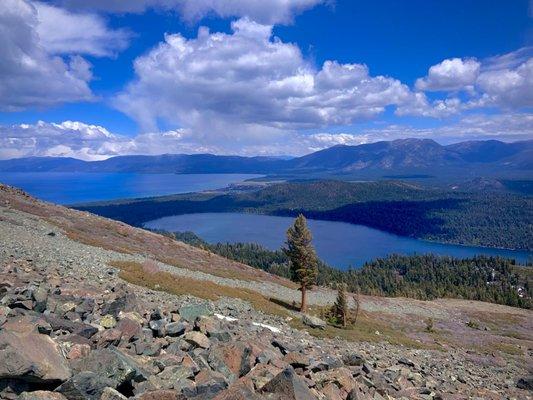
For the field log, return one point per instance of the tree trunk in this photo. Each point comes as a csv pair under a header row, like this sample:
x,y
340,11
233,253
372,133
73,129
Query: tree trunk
x,y
344,318
304,305
357,305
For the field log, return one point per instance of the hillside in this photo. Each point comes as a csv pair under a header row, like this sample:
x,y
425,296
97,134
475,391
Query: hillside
x,y
404,156
495,220
93,308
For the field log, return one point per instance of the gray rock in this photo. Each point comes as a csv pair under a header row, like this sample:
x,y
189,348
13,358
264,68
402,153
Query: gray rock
x,y
123,303
176,328
198,339
77,328
353,360
159,327
209,383
525,383
30,356
313,322
175,373
86,385
288,386
191,312
110,364
112,394
41,395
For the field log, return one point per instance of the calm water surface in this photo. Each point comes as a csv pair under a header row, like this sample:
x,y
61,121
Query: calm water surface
x,y
337,243
74,187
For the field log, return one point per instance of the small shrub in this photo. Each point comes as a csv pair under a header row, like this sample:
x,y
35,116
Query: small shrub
x,y
429,325
472,324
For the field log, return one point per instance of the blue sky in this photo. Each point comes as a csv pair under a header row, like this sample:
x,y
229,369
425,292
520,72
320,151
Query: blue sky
x,y
95,78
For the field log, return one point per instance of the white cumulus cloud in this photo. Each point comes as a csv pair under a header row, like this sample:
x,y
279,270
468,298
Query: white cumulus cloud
x,y
248,84
63,32
508,87
504,81
264,11
450,74
40,47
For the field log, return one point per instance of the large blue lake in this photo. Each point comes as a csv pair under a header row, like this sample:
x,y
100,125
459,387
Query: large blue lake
x,y
337,243
74,187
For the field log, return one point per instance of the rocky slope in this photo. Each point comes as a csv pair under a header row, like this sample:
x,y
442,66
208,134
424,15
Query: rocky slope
x,y
72,327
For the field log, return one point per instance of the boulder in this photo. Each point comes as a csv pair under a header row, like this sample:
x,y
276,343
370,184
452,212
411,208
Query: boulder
x,y
86,385
112,394
288,386
125,303
191,312
176,328
232,359
358,393
353,360
174,374
129,329
206,325
525,383
30,356
284,346
161,395
133,315
77,328
261,374
197,339
313,322
243,389
159,326
40,295
297,360
108,321
111,365
342,377
85,307
41,395
209,383
108,337
332,392
78,351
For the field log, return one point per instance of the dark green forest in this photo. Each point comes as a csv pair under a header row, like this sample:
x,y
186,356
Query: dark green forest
x,y
424,277
471,218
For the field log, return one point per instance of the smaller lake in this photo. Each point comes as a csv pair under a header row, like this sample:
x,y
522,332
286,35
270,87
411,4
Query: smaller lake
x,y
337,243
78,187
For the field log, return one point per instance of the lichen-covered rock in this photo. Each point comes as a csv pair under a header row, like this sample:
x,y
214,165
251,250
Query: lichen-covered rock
x,y
108,321
190,312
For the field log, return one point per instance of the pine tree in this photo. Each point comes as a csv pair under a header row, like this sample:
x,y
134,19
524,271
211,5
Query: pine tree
x,y
302,256
340,308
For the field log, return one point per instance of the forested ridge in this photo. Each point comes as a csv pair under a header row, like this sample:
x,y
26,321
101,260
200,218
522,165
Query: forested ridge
x,y
470,218
424,277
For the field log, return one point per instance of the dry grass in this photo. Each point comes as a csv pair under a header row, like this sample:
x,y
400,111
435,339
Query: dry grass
x,y
507,348
369,327
145,275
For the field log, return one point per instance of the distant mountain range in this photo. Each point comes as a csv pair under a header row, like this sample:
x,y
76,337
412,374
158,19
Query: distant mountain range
x,y
414,156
